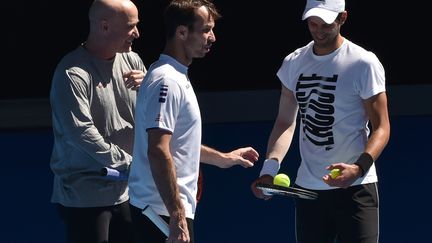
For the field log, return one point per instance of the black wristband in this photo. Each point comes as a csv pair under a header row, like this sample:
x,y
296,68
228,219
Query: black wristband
x,y
364,162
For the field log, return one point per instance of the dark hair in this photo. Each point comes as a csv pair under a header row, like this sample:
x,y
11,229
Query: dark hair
x,y
182,12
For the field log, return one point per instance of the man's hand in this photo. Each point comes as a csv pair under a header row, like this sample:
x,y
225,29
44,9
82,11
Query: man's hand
x,y
133,79
348,174
267,179
245,157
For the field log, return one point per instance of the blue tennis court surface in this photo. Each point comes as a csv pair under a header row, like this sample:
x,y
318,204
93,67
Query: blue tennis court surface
x,y
228,212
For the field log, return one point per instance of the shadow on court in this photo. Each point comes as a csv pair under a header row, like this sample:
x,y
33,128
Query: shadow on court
x,y
227,212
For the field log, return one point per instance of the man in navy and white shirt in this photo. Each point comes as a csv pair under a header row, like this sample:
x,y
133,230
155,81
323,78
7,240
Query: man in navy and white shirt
x,y
167,148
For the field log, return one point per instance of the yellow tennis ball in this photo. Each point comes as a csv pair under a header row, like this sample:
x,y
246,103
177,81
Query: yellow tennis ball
x,y
335,173
281,180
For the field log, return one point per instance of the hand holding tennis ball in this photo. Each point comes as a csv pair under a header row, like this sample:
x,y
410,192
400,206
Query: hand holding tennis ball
x,y
335,173
281,180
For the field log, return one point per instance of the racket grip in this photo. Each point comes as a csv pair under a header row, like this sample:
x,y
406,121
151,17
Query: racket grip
x,y
114,174
156,219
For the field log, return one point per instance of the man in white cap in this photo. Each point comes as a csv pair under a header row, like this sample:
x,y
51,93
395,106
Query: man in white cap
x,y
338,88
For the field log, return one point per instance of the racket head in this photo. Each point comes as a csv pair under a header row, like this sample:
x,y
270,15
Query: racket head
x,y
271,189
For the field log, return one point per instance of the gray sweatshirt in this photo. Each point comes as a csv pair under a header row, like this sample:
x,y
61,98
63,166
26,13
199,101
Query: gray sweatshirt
x,y
93,125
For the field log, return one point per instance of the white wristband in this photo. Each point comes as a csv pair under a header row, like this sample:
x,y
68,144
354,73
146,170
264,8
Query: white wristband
x,y
270,167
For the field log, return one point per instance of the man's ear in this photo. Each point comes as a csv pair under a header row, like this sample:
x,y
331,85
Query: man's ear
x,y
182,32
343,17
103,25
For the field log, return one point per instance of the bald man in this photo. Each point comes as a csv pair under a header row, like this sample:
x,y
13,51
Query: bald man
x,y
93,96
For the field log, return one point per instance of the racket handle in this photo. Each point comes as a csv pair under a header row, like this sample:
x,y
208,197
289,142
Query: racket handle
x,y
156,219
114,174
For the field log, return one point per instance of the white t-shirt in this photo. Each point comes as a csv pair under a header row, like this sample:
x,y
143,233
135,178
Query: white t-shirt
x,y
166,100
329,91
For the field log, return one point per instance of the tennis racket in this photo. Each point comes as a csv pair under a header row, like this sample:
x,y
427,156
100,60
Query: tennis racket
x,y
286,191
156,219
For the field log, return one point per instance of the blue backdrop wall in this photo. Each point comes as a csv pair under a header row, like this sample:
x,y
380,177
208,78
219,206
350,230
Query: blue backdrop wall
x,y
227,212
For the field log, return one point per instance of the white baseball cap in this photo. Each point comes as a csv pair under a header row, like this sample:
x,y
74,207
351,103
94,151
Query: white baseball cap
x,y
327,10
